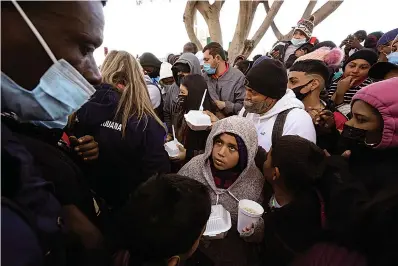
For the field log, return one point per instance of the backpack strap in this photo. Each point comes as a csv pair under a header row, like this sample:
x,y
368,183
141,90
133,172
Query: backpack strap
x,y
245,113
277,130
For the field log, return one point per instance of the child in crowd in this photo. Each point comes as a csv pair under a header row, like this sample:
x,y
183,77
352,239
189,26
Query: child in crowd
x,y
162,222
295,209
228,169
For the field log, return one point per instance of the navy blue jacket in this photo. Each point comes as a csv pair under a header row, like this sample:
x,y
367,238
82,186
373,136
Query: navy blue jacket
x,y
22,183
123,163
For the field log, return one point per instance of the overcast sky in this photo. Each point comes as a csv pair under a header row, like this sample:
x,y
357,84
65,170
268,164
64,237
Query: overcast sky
x,y
157,26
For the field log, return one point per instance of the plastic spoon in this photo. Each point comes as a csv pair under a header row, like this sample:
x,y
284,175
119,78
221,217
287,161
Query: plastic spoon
x,y
174,134
203,99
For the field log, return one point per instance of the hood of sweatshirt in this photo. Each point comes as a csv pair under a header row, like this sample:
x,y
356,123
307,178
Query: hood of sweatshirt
x,y
245,129
101,107
288,101
249,184
192,61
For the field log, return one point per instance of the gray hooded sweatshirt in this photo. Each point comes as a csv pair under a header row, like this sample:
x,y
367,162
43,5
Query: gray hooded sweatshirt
x,y
232,250
171,96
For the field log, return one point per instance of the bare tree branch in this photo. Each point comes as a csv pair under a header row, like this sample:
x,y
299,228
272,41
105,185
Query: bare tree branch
x,y
276,5
274,28
189,17
211,14
247,11
218,4
324,11
320,15
308,10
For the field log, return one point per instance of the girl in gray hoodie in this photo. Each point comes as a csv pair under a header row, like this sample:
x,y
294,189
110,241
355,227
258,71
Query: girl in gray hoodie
x,y
228,169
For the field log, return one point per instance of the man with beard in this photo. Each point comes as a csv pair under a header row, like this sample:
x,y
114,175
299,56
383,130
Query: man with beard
x,y
225,83
274,109
47,73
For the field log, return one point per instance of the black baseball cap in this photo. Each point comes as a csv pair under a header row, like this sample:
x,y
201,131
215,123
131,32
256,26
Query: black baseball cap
x,y
379,70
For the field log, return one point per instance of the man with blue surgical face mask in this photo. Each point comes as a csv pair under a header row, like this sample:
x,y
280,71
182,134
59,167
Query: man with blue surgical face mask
x,y
389,69
47,73
301,36
385,45
225,83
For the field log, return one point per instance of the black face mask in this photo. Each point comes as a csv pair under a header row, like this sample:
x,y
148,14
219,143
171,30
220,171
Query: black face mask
x,y
154,74
355,138
299,95
355,134
181,104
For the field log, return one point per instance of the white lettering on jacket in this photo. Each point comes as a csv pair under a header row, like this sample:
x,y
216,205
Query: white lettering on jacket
x,y
112,125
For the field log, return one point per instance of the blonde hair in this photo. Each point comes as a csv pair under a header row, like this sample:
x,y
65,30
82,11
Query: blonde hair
x,y
120,67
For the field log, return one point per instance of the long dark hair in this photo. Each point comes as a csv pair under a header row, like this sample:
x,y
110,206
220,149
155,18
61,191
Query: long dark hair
x,y
196,86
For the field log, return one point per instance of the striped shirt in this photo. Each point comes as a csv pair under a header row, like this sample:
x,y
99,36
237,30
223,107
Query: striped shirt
x,y
351,92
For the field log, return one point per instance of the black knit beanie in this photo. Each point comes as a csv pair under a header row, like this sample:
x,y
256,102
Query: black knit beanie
x,y
149,60
365,54
269,78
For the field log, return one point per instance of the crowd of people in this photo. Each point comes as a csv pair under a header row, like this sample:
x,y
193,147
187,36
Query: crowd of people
x,y
309,131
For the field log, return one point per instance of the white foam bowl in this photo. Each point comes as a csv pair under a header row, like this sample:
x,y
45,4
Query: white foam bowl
x,y
249,213
218,224
197,120
172,148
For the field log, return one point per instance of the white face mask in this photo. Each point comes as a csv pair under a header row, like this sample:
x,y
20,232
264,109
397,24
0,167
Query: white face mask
x,y
61,91
298,42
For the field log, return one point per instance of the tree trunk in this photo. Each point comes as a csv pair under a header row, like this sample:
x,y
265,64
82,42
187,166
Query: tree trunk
x,y
211,14
189,17
250,45
247,11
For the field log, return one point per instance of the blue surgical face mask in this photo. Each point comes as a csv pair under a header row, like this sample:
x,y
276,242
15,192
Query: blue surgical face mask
x,y
393,58
298,42
61,91
60,123
208,69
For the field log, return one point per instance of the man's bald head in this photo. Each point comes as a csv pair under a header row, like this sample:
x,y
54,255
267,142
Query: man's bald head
x,y
72,30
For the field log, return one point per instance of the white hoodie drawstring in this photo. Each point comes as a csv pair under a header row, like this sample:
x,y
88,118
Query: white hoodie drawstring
x,y
232,195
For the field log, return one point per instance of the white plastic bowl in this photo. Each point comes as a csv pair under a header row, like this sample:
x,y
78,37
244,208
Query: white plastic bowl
x,y
172,148
197,120
218,224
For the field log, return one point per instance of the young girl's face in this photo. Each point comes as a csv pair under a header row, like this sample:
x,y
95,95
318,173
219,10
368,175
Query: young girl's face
x,y
358,69
183,90
225,152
